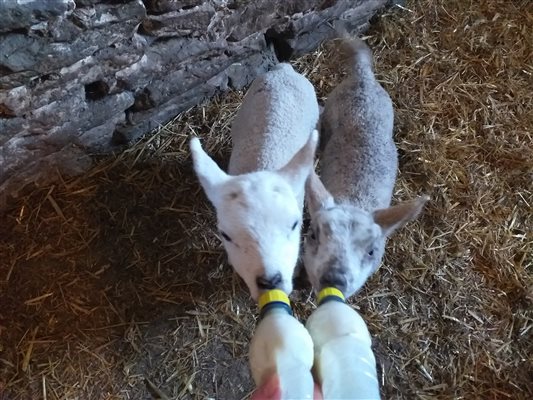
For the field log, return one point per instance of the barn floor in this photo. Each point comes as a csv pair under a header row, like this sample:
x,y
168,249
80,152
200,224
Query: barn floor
x,y
114,285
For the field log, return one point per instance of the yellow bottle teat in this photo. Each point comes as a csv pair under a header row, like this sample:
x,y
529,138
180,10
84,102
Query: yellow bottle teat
x,y
330,293
274,298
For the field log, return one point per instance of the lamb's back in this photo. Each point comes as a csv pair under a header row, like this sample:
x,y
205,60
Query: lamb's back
x,y
360,161
277,115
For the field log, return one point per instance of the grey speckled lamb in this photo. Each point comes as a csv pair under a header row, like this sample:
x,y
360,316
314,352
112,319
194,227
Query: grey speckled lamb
x,y
259,203
349,204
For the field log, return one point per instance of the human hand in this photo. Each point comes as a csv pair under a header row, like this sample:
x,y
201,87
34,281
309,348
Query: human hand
x,y
271,390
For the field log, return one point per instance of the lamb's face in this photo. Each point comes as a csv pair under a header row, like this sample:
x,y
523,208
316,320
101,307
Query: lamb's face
x,y
259,222
345,244
259,216
343,247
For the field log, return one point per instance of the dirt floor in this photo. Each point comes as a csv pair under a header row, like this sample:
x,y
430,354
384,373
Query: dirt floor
x,y
114,285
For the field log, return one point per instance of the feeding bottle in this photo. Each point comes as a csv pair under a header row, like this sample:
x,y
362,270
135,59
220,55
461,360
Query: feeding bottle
x,y
283,346
345,365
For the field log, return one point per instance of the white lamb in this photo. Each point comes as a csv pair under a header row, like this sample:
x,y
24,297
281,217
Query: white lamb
x,y
351,219
259,204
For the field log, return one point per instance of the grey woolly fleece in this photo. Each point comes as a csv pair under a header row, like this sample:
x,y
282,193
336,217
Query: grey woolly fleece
x,y
359,162
278,113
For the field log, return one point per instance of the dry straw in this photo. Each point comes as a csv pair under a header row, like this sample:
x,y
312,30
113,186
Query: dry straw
x,y
114,285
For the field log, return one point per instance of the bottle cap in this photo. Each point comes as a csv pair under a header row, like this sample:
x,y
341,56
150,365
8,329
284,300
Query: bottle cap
x,y
330,293
273,298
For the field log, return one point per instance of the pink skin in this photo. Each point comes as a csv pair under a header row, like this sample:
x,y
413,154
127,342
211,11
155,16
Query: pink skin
x,y
271,390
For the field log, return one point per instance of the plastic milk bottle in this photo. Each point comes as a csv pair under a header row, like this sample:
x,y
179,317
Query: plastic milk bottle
x,y
282,345
345,366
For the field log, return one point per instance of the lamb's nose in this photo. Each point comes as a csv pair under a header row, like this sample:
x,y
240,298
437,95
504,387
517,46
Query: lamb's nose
x,y
334,277
269,282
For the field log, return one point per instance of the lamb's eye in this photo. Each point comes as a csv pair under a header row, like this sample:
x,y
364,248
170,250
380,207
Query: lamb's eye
x,y
294,226
225,236
312,236
371,253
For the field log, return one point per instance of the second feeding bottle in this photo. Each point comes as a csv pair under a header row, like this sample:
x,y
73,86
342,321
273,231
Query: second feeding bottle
x,y
345,365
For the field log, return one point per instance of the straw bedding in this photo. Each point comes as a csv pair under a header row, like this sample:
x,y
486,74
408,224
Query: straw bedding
x,y
114,285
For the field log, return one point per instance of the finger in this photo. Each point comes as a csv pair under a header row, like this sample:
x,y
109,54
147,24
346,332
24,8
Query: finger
x,y
317,393
269,390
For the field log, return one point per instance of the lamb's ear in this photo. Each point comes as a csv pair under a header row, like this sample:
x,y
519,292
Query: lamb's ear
x,y
298,168
208,172
316,194
397,216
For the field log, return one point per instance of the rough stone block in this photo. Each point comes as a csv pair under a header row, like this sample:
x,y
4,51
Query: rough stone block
x,y
193,22
105,14
17,14
163,6
19,52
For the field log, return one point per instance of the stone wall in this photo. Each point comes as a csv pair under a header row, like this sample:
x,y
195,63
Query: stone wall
x,y
84,76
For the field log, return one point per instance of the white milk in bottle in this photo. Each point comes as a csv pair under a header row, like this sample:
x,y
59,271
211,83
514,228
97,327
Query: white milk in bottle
x,y
283,346
345,365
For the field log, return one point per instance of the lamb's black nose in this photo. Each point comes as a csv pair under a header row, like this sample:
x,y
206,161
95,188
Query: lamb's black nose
x,y
267,283
334,276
